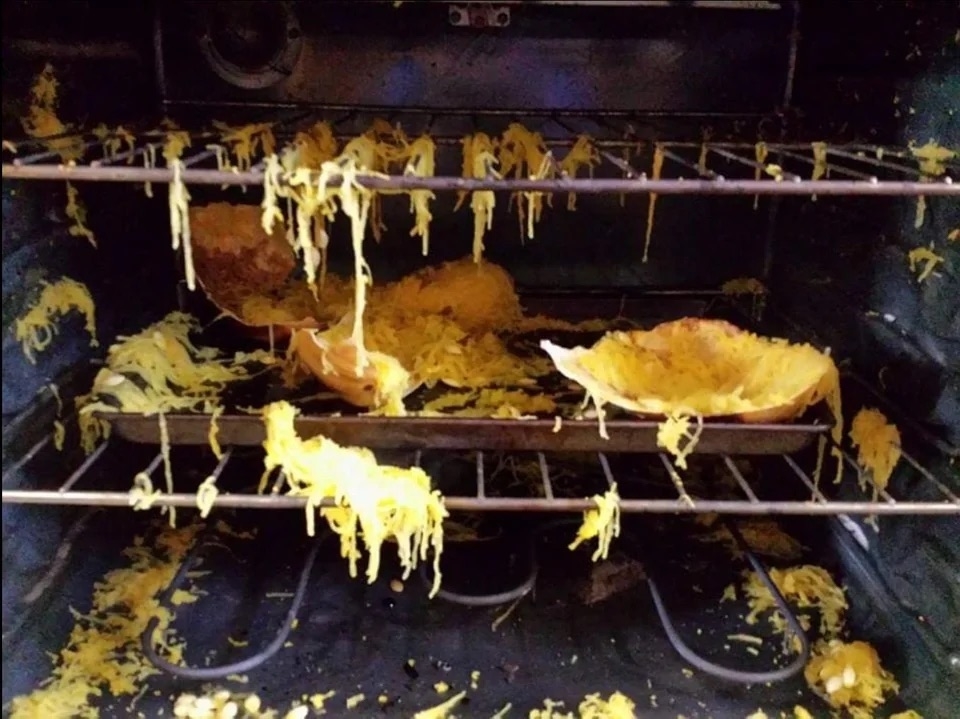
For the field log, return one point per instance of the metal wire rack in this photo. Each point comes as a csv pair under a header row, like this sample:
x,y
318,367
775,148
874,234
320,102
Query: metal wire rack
x,y
543,497
690,168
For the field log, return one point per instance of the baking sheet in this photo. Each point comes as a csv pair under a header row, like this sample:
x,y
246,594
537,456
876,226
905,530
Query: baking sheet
x,y
476,433
322,413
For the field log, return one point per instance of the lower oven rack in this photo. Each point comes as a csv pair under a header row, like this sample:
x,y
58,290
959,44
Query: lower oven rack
x,y
543,497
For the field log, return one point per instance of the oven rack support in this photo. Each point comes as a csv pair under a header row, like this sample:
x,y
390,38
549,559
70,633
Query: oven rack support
x,y
690,168
544,498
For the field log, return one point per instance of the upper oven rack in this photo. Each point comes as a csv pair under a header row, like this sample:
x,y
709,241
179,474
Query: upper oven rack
x,y
690,168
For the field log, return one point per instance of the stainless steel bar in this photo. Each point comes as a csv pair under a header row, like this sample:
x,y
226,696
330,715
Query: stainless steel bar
x,y
928,475
682,495
898,152
709,174
199,157
26,458
221,464
127,155
49,154
840,169
814,490
278,483
874,161
794,179
503,504
545,476
607,472
159,63
84,467
741,480
481,479
151,468
792,54
47,138
625,167
621,164
852,464
554,164
578,185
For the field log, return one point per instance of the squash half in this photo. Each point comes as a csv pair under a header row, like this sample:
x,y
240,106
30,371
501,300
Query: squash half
x,y
704,368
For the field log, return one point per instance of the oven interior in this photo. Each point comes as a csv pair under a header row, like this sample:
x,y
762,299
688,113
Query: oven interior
x,y
870,80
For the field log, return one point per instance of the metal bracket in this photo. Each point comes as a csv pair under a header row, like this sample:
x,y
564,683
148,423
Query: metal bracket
x,y
478,15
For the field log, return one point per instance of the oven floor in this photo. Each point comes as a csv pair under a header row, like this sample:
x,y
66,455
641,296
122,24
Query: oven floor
x,y
357,638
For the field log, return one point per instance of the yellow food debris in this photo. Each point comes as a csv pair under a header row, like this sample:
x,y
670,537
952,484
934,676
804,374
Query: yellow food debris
x,y
760,153
36,329
603,522
805,586
479,161
675,429
932,159
878,445
102,655
160,357
354,701
441,711
655,171
317,700
373,501
593,706
704,368
925,260
849,676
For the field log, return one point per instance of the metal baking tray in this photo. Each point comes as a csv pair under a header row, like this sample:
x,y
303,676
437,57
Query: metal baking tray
x,y
344,425
460,433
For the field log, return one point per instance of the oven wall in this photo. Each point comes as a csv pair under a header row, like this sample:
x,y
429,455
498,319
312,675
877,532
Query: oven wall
x,y
888,73
684,69
102,59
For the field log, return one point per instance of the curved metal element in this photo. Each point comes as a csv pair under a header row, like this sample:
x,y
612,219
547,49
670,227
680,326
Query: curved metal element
x,y
493,600
148,637
722,672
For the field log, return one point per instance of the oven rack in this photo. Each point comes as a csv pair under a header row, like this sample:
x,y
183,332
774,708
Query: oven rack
x,y
689,168
544,499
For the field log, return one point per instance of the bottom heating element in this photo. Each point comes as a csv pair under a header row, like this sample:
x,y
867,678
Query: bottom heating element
x,y
577,629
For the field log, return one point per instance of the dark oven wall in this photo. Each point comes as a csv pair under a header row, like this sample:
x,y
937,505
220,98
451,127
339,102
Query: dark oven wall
x,y
880,74
887,73
102,59
679,71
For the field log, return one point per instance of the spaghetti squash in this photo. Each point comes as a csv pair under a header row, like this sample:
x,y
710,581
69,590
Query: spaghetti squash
x,y
372,503
878,445
702,368
37,328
